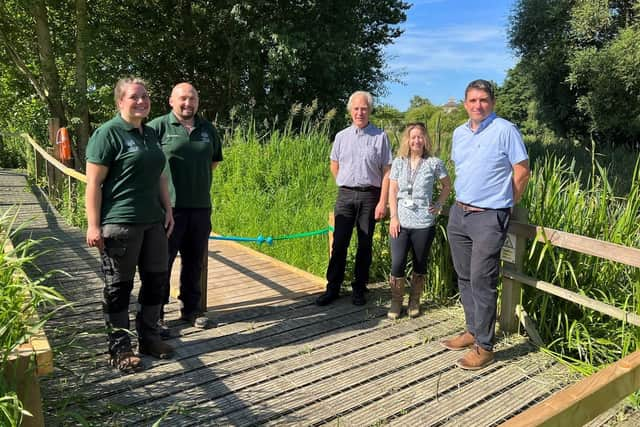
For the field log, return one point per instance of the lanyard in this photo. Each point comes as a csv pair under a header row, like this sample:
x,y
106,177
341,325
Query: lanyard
x,y
411,175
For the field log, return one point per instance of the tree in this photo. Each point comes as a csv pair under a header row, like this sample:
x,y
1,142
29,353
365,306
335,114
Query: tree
x,y
418,101
420,110
387,117
581,60
256,57
540,34
26,38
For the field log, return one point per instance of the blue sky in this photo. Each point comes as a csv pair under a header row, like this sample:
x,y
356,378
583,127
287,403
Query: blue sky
x,y
445,45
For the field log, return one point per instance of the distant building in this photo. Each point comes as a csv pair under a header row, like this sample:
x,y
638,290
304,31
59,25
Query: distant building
x,y
450,106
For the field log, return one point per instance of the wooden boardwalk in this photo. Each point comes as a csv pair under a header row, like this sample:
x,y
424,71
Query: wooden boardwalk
x,y
273,357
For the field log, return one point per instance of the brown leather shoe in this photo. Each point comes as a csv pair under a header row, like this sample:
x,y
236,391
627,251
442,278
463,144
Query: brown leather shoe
x,y
476,358
461,342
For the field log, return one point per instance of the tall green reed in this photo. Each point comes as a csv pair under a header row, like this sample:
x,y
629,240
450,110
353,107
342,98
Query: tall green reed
x,y
279,183
557,198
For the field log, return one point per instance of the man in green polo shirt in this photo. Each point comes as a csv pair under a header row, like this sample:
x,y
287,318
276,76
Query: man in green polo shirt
x,y
193,149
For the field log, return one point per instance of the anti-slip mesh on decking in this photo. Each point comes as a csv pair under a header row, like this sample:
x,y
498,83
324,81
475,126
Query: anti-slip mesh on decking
x,y
274,357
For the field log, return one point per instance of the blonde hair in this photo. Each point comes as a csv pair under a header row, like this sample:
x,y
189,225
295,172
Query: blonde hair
x,y
404,150
118,91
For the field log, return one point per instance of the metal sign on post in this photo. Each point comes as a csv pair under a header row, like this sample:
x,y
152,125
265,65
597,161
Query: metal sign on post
x,y
508,252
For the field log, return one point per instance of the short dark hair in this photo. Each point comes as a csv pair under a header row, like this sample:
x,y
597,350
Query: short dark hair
x,y
483,85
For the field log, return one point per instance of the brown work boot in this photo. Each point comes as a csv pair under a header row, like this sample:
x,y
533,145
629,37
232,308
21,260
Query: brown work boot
x,y
461,342
417,287
476,358
397,295
155,348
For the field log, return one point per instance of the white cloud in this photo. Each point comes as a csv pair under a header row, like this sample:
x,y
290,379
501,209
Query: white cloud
x,y
450,48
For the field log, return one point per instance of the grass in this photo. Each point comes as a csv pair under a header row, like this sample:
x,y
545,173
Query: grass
x,y
278,183
20,299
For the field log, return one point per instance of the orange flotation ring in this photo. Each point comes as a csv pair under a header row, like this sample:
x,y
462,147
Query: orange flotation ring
x,y
63,144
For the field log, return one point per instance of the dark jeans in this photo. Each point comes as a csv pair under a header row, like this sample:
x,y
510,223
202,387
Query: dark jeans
x,y
128,246
475,239
418,240
190,237
353,208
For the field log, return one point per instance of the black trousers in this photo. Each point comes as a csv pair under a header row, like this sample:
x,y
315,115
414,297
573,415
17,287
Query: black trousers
x,y
353,209
190,237
475,239
127,246
416,240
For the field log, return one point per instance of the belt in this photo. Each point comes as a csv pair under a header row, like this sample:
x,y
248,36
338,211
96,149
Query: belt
x,y
469,208
362,189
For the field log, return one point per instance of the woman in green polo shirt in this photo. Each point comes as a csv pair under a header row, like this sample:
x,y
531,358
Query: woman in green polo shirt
x,y
129,218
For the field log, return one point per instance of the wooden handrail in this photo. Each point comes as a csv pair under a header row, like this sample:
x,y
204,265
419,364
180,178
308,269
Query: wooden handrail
x,y
581,402
574,297
588,398
62,168
575,242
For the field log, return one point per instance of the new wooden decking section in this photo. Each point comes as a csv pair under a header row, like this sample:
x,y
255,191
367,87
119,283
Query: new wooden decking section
x,y
273,358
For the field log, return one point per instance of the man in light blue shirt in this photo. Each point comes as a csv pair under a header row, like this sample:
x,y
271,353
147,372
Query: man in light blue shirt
x,y
492,171
360,163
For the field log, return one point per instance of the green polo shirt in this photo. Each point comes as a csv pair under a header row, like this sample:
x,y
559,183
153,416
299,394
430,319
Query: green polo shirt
x,y
131,189
189,158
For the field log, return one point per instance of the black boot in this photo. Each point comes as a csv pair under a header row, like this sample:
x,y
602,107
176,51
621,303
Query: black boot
x,y
148,335
163,329
330,295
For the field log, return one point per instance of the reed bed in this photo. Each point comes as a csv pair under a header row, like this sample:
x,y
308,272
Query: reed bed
x,y
556,198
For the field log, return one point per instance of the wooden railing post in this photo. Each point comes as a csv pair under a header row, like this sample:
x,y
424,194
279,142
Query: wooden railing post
x,y
332,224
53,125
512,256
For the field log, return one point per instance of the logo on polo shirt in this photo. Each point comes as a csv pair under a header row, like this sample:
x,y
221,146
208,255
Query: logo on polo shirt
x,y
131,146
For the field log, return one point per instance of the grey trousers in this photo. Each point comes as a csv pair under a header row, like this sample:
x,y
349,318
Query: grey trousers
x,y
475,239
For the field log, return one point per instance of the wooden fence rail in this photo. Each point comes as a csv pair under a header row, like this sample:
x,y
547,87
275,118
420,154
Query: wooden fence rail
x,y
566,407
595,394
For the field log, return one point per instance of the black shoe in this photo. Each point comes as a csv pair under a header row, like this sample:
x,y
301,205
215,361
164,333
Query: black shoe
x,y
357,297
164,330
155,348
197,320
327,298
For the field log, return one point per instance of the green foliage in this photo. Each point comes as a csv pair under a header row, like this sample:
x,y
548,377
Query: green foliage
x,y
421,113
610,77
581,60
556,192
254,57
279,183
388,118
20,298
273,185
13,152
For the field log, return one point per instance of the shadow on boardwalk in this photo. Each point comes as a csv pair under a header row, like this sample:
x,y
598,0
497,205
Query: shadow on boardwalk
x,y
273,357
